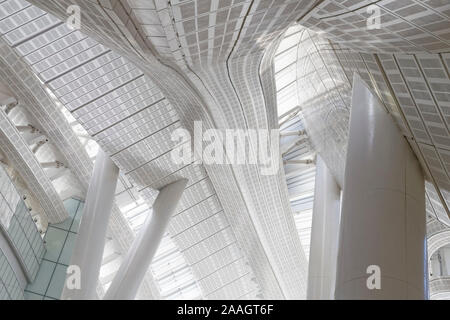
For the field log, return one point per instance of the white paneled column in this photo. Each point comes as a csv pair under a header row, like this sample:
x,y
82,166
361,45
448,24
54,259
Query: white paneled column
x,y
88,251
324,235
382,235
138,258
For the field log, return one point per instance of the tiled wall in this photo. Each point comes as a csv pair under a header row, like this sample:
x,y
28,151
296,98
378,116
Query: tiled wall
x,y
9,285
18,227
60,240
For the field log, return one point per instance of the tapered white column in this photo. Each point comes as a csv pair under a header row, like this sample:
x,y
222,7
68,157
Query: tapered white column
x,y
382,234
88,251
324,235
138,258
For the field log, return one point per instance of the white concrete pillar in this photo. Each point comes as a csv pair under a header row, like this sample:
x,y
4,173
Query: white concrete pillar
x,y
58,173
382,253
6,96
10,106
52,165
27,128
38,145
324,235
138,258
35,137
88,251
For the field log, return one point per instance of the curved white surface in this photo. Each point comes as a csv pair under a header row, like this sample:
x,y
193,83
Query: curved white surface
x,y
18,152
138,258
324,235
383,208
88,251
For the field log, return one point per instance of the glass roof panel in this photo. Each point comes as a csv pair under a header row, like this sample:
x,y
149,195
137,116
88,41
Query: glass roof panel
x,y
300,178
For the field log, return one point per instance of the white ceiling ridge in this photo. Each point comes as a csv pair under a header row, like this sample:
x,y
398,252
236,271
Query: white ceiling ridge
x,y
18,152
58,130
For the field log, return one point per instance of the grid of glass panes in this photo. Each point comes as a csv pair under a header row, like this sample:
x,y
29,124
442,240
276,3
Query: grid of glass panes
x,y
9,285
299,179
60,240
17,224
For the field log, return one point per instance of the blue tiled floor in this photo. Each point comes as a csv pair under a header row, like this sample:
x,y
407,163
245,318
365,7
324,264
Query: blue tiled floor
x,y
60,240
66,253
57,283
40,284
55,239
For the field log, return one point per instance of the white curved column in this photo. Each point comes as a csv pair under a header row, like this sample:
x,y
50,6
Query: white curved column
x,y
88,251
383,209
324,235
138,258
